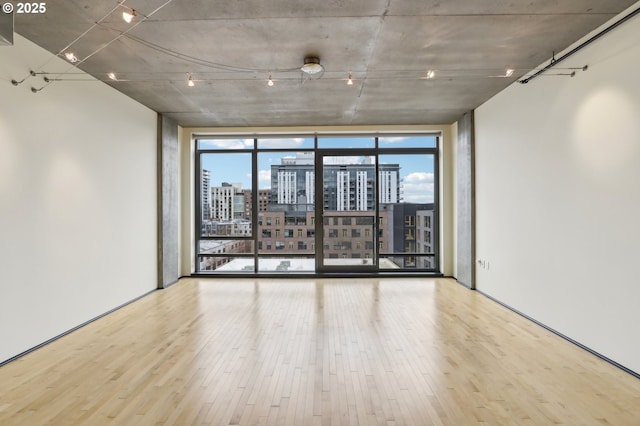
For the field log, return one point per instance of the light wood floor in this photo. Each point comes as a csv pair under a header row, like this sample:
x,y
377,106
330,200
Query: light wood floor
x,y
315,352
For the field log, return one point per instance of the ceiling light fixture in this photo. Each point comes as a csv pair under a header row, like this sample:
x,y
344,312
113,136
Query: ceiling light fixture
x,y
71,57
312,66
270,81
112,76
508,73
350,80
128,15
190,83
431,74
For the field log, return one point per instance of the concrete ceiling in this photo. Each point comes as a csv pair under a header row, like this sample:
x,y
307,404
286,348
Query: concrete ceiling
x,y
231,46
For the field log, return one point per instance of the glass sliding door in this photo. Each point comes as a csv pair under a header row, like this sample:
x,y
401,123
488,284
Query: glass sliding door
x,y
286,211
347,237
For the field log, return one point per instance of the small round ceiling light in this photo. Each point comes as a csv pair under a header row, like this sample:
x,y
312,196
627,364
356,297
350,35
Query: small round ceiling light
x,y
71,57
312,66
128,15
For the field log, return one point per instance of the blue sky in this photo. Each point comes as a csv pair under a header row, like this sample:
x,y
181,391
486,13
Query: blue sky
x,y
416,171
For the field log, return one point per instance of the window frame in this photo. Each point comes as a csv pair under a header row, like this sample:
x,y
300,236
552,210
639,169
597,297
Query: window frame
x,y
255,150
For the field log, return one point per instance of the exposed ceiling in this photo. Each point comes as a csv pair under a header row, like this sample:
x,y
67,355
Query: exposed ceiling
x,y
230,47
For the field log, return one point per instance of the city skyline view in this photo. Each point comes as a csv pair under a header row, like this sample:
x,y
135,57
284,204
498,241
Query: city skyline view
x,y
416,170
376,208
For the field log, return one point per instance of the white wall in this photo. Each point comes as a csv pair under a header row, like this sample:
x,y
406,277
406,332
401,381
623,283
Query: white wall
x,y
77,201
558,197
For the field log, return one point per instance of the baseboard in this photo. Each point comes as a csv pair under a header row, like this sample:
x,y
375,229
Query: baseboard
x,y
307,275
53,339
567,338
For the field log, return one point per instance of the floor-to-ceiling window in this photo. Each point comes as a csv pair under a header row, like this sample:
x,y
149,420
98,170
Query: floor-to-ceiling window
x,y
308,204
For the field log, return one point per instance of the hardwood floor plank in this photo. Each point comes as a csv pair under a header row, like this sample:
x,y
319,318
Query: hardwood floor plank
x,y
315,352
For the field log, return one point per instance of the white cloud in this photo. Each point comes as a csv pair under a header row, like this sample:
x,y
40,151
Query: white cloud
x,y
281,143
418,199
264,179
419,177
226,143
418,187
392,139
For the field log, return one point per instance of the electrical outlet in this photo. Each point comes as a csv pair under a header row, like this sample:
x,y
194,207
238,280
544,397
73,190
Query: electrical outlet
x,y
484,264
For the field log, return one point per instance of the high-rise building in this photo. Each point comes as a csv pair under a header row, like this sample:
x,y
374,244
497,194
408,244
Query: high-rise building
x,y
263,201
389,186
238,205
227,202
280,232
350,187
351,235
204,185
347,187
287,224
407,227
286,187
425,240
292,181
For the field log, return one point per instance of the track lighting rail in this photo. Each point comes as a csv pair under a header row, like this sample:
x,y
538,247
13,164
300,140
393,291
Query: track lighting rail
x,y
555,61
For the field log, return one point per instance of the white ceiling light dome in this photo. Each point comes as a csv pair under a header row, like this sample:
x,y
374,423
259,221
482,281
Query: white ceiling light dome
x,y
312,66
